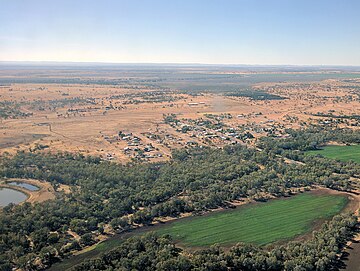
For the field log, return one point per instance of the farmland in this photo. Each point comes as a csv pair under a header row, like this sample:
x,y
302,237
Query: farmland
x,y
179,136
234,224
343,153
143,149
261,223
126,108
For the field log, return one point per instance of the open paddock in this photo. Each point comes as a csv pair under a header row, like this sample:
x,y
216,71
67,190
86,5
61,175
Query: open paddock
x,y
276,221
343,153
257,223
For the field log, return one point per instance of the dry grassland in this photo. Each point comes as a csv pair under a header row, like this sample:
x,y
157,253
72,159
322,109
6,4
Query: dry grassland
x,y
88,118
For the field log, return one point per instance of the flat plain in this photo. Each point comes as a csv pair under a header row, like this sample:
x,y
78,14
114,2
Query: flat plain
x,y
343,153
143,116
120,115
260,223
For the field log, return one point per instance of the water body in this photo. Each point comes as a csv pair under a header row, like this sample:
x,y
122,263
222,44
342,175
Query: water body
x,y
25,185
8,196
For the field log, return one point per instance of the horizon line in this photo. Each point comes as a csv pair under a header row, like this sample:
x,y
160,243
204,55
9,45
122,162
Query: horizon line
x,y
170,63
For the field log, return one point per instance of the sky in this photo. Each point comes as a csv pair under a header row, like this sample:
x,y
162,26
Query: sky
x,y
264,32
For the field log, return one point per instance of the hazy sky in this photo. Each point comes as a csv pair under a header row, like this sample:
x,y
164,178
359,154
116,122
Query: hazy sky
x,y
182,31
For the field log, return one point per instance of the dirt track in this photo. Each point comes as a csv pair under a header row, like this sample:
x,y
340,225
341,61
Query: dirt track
x,y
78,127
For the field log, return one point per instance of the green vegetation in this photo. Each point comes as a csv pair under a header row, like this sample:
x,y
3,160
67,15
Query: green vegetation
x,y
260,224
11,110
59,103
255,95
343,153
195,180
151,252
175,77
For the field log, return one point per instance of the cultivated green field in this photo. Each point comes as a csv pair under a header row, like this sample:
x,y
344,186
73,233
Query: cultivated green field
x,y
260,223
343,153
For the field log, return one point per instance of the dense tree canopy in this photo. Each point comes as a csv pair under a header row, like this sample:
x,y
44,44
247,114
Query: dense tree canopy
x,y
195,180
159,253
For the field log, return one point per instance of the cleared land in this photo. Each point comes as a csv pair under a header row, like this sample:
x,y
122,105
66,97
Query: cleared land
x,y
118,114
261,223
343,153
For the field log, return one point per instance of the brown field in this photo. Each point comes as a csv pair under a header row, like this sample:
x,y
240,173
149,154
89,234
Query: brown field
x,y
125,122
90,123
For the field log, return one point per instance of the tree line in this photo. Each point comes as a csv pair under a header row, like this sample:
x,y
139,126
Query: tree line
x,y
159,253
127,196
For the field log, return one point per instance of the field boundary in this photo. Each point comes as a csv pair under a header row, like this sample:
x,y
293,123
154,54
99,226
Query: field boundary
x,y
98,249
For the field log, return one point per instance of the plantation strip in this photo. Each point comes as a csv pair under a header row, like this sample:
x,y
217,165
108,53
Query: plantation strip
x,y
342,153
260,223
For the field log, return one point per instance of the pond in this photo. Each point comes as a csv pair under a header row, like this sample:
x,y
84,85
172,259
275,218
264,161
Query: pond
x,y
8,196
25,185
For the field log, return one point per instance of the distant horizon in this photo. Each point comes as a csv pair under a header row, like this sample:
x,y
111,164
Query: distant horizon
x,y
35,62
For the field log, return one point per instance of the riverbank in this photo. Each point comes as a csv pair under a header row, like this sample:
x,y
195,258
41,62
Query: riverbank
x,y
113,241
45,191
351,254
